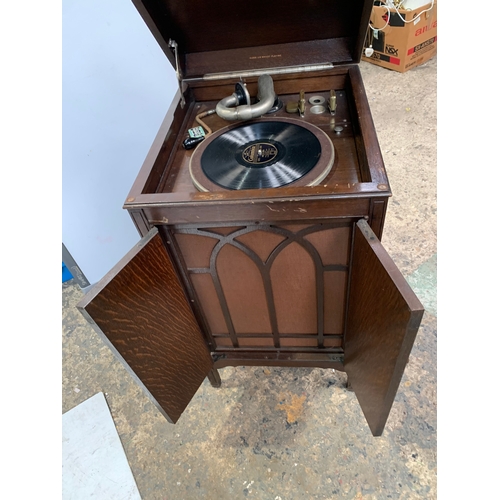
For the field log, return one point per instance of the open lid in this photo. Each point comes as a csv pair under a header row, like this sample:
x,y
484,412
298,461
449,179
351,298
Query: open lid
x,y
220,36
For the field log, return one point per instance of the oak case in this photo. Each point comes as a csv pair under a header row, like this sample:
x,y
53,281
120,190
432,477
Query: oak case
x,y
289,276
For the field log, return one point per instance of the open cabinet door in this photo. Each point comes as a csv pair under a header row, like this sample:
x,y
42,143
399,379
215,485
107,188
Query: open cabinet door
x,y
383,318
142,313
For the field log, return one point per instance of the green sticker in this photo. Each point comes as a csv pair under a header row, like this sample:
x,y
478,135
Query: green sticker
x,y
196,132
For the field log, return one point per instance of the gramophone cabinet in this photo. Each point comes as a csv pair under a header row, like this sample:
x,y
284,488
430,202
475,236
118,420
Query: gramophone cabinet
x,y
292,276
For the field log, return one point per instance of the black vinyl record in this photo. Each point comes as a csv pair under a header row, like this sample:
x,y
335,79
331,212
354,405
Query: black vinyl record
x,y
261,155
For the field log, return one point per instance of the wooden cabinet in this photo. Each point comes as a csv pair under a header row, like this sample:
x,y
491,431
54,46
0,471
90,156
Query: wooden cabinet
x,y
287,276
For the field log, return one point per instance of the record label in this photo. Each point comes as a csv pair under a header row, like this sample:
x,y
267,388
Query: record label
x,y
259,153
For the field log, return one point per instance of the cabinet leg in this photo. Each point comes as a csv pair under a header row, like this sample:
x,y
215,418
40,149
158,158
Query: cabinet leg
x,y
214,377
349,386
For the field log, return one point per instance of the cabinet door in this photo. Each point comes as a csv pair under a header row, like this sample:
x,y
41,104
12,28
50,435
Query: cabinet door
x,y
142,313
382,321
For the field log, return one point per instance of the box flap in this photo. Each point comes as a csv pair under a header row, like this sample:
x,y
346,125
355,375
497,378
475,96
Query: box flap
x,y
222,36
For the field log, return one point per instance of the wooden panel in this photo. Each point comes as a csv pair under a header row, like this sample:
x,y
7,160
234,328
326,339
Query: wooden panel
x,y
223,230
377,218
293,342
255,342
261,242
335,296
141,223
370,149
223,341
142,312
382,321
206,212
196,249
333,342
293,278
266,56
285,342
223,30
280,358
209,302
158,158
332,244
244,291
295,228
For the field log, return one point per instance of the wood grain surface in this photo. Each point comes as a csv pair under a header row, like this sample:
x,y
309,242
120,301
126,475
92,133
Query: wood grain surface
x,y
345,168
141,310
221,36
382,321
165,194
293,278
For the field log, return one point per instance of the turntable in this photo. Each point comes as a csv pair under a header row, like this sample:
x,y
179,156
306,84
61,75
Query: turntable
x,y
262,154
261,205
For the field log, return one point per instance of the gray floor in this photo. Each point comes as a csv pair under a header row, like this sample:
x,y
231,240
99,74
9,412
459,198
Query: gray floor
x,y
280,434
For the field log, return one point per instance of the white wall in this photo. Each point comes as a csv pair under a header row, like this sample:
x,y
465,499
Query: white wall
x,y
117,88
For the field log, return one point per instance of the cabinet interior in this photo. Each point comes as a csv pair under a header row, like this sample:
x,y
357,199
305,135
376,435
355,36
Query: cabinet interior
x,y
269,286
170,172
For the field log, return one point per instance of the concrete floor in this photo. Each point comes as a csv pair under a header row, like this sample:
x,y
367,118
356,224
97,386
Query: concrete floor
x,y
281,434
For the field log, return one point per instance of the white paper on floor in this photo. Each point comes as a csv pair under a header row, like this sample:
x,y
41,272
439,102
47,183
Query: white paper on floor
x,y
94,464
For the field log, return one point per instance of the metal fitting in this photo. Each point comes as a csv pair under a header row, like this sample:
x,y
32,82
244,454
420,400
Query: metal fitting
x,y
228,108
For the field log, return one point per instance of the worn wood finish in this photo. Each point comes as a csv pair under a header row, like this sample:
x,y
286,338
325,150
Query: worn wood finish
x,y
141,310
382,321
290,276
221,36
370,150
266,209
269,56
356,187
353,188
140,221
262,357
155,165
345,168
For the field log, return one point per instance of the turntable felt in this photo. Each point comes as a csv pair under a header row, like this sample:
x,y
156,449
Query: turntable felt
x,y
262,153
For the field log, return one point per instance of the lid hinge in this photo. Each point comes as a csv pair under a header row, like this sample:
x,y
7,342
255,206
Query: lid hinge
x,y
173,45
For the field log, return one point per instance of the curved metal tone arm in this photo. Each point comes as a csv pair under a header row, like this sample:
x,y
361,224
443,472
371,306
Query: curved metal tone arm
x,y
265,100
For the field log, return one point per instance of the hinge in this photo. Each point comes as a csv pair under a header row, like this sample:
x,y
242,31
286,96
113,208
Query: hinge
x,y
173,45
338,358
217,356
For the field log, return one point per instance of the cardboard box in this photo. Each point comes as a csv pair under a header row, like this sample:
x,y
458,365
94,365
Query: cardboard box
x,y
401,45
